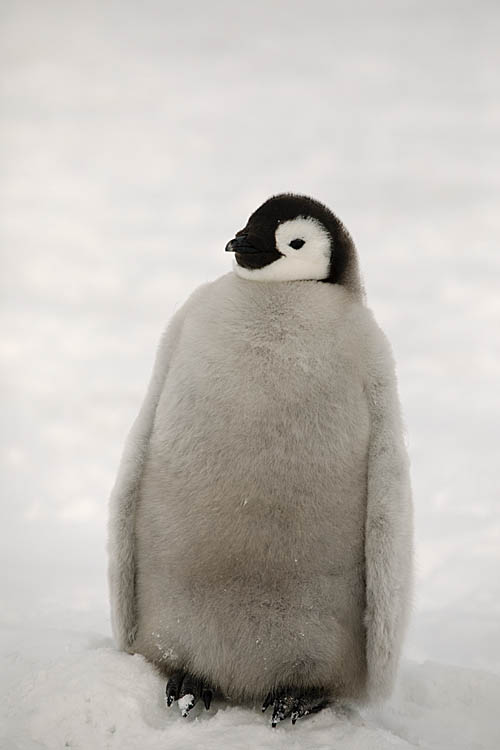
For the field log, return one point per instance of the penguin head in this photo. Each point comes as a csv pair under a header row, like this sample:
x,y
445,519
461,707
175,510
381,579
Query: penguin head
x,y
291,238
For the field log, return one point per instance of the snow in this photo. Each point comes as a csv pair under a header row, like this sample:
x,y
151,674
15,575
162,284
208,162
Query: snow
x,y
79,692
185,703
136,139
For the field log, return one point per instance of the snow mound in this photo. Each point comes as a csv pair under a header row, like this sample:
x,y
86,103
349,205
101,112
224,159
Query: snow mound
x,y
74,690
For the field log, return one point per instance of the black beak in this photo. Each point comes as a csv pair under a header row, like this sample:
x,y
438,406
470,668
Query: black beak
x,y
241,245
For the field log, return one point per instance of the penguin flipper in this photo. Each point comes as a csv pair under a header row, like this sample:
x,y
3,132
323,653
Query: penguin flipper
x,y
388,529
121,551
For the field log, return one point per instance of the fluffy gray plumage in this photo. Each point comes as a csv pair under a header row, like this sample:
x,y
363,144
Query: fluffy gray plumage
x,y
261,524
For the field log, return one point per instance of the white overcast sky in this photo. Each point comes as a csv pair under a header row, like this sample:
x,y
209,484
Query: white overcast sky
x,y
135,140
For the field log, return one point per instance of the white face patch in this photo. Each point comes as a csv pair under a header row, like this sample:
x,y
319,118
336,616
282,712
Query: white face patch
x,y
310,261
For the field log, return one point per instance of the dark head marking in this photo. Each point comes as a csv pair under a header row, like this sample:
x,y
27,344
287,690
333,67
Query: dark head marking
x,y
255,245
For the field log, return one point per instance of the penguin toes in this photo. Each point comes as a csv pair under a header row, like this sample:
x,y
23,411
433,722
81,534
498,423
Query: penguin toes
x,y
187,691
290,704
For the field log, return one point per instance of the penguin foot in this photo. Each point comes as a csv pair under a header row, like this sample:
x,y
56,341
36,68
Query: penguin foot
x,y
187,690
289,704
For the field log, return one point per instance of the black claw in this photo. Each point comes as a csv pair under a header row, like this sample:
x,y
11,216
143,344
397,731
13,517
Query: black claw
x,y
173,687
188,706
267,701
190,686
296,712
277,716
207,696
304,708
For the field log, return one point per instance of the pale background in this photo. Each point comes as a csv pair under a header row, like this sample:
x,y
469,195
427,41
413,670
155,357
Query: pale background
x,y
136,139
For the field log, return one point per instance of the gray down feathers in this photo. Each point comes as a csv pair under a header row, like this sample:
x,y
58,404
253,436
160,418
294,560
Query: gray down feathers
x,y
261,526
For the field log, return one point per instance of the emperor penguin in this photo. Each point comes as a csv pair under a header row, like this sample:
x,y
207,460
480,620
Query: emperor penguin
x,y
260,535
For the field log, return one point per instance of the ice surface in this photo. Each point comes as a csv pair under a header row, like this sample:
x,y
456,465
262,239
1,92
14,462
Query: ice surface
x,y
74,690
136,139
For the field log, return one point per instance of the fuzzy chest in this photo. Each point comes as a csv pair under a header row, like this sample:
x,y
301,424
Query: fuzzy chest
x,y
270,376
259,447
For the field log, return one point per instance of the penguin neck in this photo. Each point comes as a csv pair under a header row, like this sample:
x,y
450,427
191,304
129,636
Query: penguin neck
x,y
311,292
293,304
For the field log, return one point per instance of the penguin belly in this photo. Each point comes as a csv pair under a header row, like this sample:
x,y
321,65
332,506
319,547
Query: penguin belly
x,y
250,518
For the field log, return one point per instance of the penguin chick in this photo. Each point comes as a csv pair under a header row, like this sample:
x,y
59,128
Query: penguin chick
x,y
260,535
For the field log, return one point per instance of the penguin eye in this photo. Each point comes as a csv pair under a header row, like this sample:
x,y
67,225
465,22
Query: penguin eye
x,y
296,244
